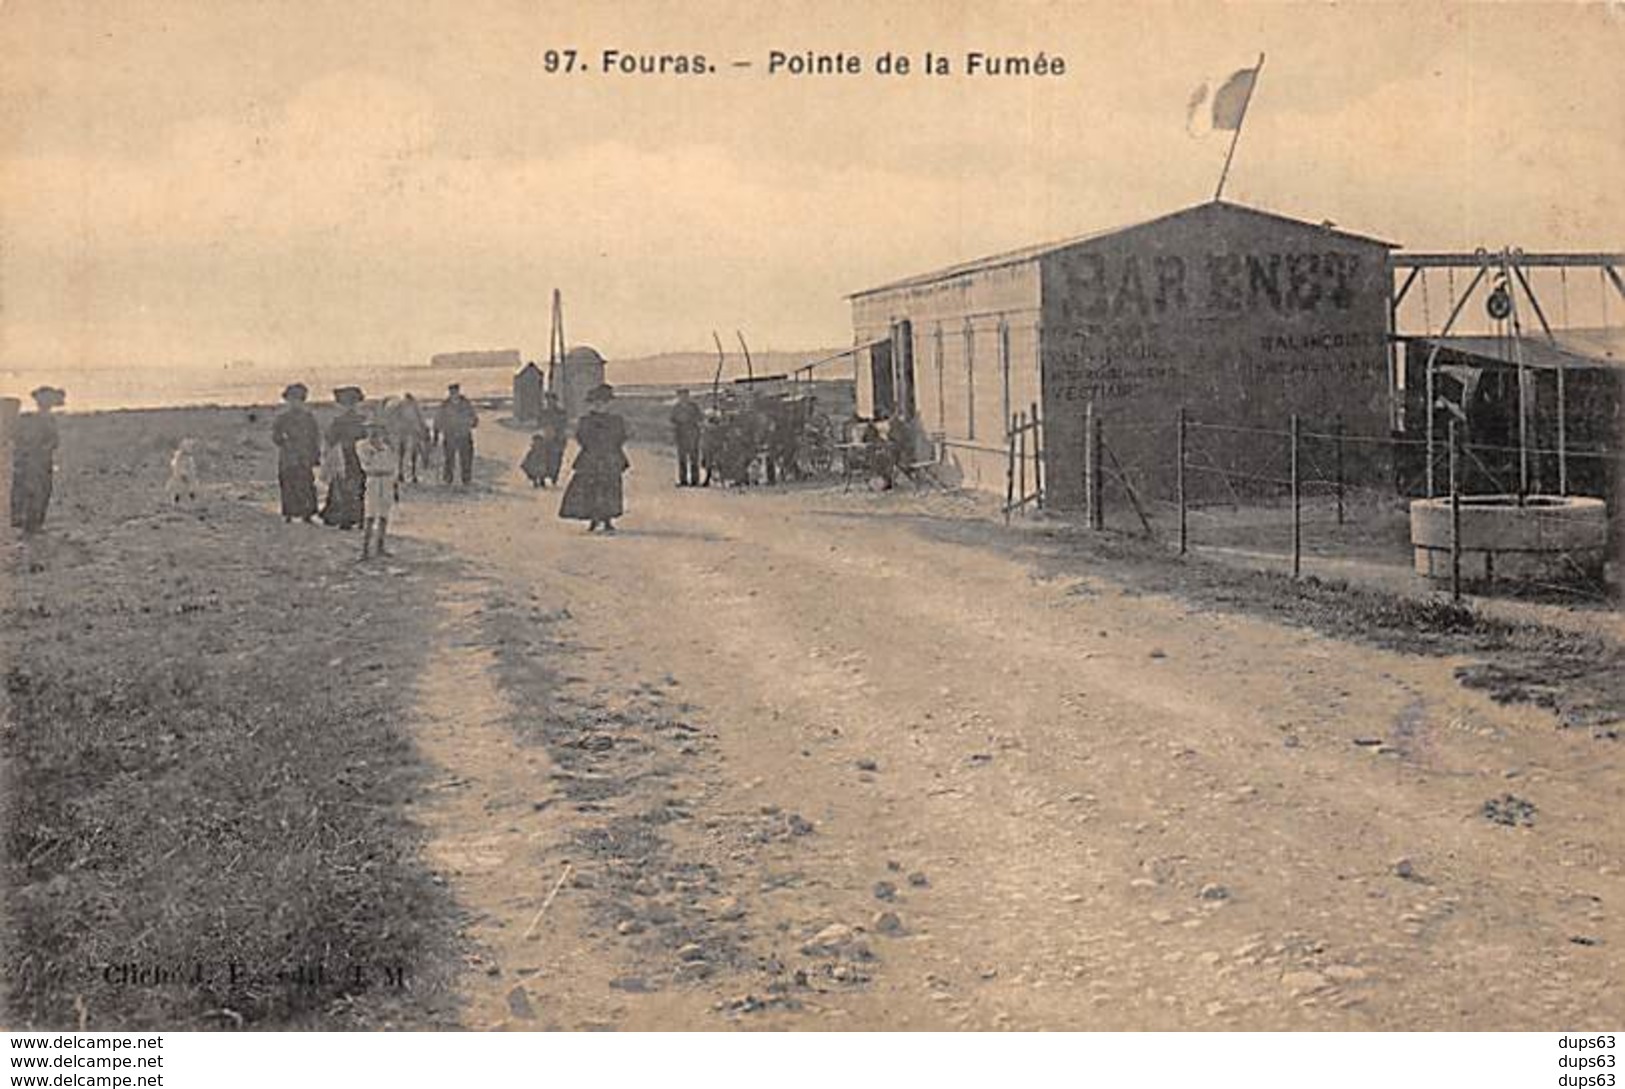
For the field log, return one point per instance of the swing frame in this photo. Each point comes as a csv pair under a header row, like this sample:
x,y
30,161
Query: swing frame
x,y
1507,268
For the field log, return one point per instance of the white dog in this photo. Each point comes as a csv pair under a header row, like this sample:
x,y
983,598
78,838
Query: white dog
x,y
183,481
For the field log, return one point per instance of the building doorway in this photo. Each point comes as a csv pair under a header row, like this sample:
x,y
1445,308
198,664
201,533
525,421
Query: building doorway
x,y
902,335
881,378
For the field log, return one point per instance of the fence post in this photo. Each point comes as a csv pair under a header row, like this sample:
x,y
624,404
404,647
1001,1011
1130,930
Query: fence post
x,y
1009,471
1093,469
1297,505
1038,459
1338,454
1021,460
1179,484
1431,410
1455,514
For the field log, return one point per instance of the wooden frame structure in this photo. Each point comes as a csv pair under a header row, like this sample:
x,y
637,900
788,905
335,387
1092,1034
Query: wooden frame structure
x,y
1508,271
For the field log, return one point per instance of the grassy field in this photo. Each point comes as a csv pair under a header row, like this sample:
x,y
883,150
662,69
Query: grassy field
x,y
206,778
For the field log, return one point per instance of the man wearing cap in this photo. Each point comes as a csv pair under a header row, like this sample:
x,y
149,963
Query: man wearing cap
x,y
455,421
299,450
33,461
686,421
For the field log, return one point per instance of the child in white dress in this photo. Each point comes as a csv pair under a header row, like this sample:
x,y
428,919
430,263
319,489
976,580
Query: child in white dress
x,y
382,467
182,486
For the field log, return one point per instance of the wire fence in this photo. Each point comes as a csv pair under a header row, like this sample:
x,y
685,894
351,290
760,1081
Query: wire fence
x,y
1314,493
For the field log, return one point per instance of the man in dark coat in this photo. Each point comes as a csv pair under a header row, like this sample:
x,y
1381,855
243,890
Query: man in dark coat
x,y
686,423
299,450
33,461
594,494
455,421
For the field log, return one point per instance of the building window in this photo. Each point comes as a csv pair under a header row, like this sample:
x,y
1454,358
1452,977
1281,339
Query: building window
x,y
942,395
1004,367
970,381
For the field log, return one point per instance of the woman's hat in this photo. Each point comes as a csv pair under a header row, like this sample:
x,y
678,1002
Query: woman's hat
x,y
601,392
296,392
348,395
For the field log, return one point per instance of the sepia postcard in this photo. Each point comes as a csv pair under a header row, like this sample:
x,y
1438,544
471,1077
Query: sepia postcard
x,y
708,516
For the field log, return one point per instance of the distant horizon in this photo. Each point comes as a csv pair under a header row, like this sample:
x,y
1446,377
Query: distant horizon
x,y
154,387
349,180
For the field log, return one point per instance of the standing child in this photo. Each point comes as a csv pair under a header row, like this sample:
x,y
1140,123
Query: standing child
x,y
382,468
535,463
182,486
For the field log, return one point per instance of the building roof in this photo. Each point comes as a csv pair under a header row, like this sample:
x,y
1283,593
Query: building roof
x,y
583,354
1031,253
1568,348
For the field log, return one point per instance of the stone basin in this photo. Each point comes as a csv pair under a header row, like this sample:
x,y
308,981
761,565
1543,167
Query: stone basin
x,y
1544,539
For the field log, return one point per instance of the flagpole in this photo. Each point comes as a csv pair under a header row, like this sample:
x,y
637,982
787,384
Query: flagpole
x,y
1240,121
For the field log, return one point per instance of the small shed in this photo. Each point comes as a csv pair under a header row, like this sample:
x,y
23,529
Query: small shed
x,y
570,378
1575,428
1241,316
527,393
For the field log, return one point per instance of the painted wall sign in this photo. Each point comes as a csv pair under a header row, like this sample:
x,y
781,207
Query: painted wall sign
x,y
1105,286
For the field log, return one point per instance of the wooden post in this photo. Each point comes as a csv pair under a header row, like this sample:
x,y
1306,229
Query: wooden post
x,y
1432,489
1338,457
1021,460
1455,514
1009,472
1523,427
1179,483
1297,506
1038,458
1562,431
1094,468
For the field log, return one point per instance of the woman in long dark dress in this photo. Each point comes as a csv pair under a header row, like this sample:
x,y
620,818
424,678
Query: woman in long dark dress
x,y
299,450
594,495
347,483
33,461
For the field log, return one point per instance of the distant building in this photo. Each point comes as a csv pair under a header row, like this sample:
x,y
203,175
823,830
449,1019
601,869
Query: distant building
x,y
501,357
570,378
527,393
1239,315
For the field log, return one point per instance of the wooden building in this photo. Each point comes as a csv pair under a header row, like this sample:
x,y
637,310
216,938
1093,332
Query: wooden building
x,y
1568,443
1241,316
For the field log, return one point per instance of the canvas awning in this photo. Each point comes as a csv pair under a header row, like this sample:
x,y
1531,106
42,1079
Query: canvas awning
x,y
1569,349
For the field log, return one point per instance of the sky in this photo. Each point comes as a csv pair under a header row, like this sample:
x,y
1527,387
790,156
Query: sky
x,y
327,184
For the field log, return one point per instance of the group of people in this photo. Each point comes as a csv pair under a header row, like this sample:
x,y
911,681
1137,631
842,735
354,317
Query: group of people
x,y
725,443
363,459
595,494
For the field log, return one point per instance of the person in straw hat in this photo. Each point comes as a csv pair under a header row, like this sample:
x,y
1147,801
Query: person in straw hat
x,y
594,494
298,442
33,461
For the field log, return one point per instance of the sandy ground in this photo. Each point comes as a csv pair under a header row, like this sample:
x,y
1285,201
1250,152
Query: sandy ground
x,y
814,760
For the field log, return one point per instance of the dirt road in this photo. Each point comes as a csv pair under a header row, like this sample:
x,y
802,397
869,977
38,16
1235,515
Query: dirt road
x,y
813,760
